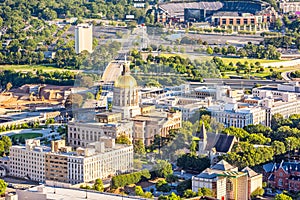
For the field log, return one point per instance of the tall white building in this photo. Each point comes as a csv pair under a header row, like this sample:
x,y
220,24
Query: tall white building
x,y
28,161
84,38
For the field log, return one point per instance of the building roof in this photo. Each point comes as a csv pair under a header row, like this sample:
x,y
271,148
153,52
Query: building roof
x,y
221,142
125,80
286,166
268,167
224,143
250,172
76,194
202,133
223,166
207,174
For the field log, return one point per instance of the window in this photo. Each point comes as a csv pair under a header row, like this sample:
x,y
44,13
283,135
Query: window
x,y
280,183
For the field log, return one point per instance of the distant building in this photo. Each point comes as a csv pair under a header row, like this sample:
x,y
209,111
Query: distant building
x,y
284,175
147,121
244,21
282,99
218,93
190,110
238,116
289,6
107,124
224,180
83,38
246,15
147,125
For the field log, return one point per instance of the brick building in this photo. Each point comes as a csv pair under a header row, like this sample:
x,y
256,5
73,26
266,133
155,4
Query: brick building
x,y
284,175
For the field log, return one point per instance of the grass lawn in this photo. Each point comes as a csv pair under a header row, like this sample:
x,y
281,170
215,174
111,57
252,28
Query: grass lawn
x,y
26,135
30,67
249,60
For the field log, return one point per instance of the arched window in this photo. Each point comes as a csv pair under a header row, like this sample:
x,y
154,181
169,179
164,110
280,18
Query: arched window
x,y
280,182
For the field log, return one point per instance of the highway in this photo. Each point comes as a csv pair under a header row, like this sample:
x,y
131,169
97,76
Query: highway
x,y
236,83
112,71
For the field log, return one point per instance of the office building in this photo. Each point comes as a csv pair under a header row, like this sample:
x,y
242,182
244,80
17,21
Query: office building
x,y
83,38
238,115
98,160
28,161
60,164
81,134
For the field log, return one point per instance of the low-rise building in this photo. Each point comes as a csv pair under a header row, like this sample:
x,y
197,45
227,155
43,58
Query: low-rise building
x,y
254,180
284,175
147,125
190,110
224,180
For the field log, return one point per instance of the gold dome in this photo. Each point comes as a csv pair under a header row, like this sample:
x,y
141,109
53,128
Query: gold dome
x,y
125,81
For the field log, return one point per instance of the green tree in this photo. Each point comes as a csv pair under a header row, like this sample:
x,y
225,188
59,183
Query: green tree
x,y
216,50
276,121
163,168
171,178
189,193
163,186
172,196
6,142
193,147
123,139
278,147
278,24
283,197
98,185
257,192
139,191
139,147
209,50
1,147
205,192
3,186
224,51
